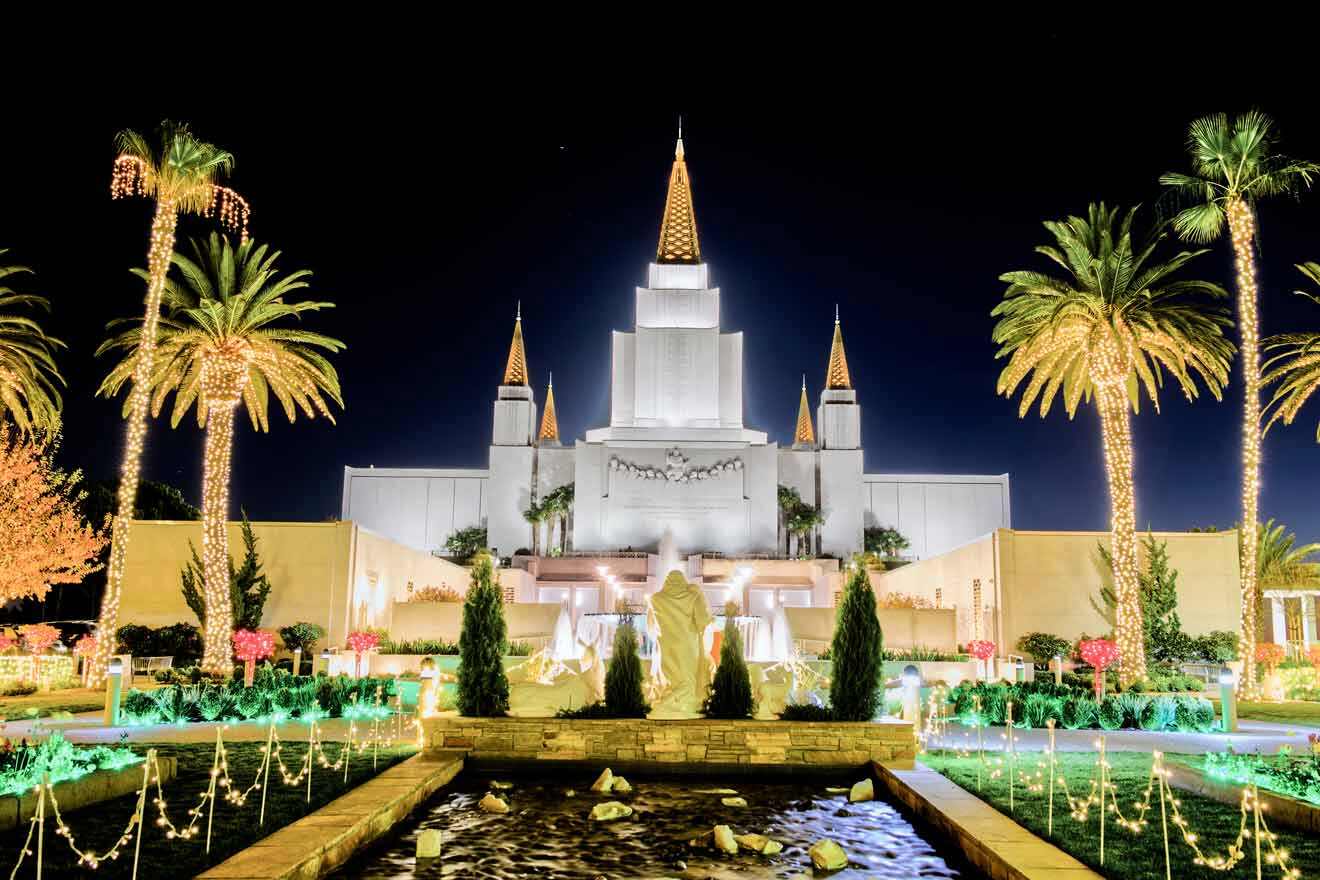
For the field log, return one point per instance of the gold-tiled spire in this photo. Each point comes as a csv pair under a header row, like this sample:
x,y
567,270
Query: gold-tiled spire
x,y
549,421
515,371
837,378
678,227
804,436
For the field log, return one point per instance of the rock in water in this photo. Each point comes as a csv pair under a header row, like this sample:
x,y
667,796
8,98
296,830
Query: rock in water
x,y
826,855
724,840
428,844
834,789
620,785
501,786
604,782
772,847
492,804
568,792
713,791
862,791
733,802
609,811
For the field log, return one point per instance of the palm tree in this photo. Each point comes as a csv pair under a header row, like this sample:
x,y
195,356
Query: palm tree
x,y
1296,367
28,376
224,341
1233,166
179,172
535,515
1281,562
566,494
1113,326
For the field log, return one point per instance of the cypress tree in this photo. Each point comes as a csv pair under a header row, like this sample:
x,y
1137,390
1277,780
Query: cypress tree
x,y
623,679
483,689
857,652
731,694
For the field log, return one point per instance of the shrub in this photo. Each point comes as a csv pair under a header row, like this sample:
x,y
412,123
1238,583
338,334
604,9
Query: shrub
x,y
623,679
1039,708
1133,705
1205,715
806,712
597,709
301,635
483,689
856,650
419,646
731,693
1043,647
214,704
432,593
917,654
1160,714
1110,714
182,641
18,689
518,649
248,585
139,707
1078,713
1215,647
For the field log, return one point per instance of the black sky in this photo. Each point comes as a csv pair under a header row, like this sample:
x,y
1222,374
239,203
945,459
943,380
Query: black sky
x,y
427,210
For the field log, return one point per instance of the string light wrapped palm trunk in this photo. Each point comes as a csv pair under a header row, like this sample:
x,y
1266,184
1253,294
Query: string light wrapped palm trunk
x,y
1242,229
163,228
1116,433
224,375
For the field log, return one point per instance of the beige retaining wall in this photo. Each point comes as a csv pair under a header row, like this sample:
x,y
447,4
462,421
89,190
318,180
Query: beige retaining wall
x,y
641,743
74,794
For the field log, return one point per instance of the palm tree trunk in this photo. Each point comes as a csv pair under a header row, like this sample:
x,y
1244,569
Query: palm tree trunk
x,y
139,396
1242,228
1116,429
217,648
563,533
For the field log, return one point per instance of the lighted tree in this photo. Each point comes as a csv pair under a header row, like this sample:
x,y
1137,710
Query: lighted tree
x,y
43,537
224,341
623,680
1111,328
248,585
251,646
1295,366
483,689
179,173
731,691
1233,166
29,392
857,652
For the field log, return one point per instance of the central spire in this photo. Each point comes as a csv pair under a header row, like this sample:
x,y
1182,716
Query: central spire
x,y
678,226
515,371
837,378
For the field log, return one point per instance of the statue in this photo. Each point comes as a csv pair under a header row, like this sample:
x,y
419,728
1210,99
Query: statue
x,y
542,685
678,617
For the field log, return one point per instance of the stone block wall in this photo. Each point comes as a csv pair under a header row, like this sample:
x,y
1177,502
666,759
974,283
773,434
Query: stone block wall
x,y
643,743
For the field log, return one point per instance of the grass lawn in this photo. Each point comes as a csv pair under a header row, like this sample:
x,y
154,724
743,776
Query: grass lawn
x,y
1291,712
98,826
1127,855
73,700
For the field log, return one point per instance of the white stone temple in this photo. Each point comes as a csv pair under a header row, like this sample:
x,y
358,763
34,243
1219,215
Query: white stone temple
x,y
676,458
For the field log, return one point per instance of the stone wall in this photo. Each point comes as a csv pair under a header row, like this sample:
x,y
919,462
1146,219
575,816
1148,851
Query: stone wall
x,y
643,743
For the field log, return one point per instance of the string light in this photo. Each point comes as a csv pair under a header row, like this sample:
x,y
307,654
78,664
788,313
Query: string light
x,y
1242,229
1111,366
174,189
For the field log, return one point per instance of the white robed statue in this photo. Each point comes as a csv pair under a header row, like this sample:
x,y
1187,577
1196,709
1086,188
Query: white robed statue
x,y
677,619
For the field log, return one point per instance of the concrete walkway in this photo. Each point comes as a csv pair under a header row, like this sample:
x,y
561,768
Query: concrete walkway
x,y
1252,736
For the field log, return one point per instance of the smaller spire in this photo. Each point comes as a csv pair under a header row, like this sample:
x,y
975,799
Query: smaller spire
x,y
837,378
549,420
804,436
515,370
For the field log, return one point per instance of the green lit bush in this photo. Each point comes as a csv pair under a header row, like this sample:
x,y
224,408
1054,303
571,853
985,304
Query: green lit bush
x,y
274,693
623,679
1111,714
22,764
856,651
483,689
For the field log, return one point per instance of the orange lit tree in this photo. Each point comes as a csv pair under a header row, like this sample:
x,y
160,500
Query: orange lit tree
x,y
43,537
224,341
1112,326
179,172
1234,164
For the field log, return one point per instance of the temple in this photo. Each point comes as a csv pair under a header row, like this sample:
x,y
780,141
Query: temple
x,y
676,463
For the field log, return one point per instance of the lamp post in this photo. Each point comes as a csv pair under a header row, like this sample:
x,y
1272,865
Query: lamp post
x,y
1228,699
321,663
1058,670
427,698
912,694
297,661
114,683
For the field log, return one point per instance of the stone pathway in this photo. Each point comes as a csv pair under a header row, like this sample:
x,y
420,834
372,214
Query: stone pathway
x,y
1252,736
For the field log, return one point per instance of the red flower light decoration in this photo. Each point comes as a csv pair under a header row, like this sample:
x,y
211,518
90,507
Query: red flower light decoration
x,y
86,646
7,642
362,642
37,637
253,645
1313,655
1100,653
1270,653
981,649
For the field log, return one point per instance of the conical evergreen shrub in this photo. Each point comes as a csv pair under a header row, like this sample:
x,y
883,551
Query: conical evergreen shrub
x,y
731,695
623,679
857,652
483,689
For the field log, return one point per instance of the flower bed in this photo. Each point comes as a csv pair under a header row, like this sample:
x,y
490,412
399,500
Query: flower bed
x,y
1297,776
1071,708
274,694
22,763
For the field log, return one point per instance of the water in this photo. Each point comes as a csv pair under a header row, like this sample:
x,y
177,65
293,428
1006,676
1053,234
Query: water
x,y
548,835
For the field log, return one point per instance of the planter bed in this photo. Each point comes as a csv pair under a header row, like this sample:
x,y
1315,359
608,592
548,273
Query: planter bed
x,y
74,794
1188,774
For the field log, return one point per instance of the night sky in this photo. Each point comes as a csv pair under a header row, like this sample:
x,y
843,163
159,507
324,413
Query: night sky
x,y
426,220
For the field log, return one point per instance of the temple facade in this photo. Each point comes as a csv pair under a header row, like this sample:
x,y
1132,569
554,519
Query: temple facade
x,y
676,465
